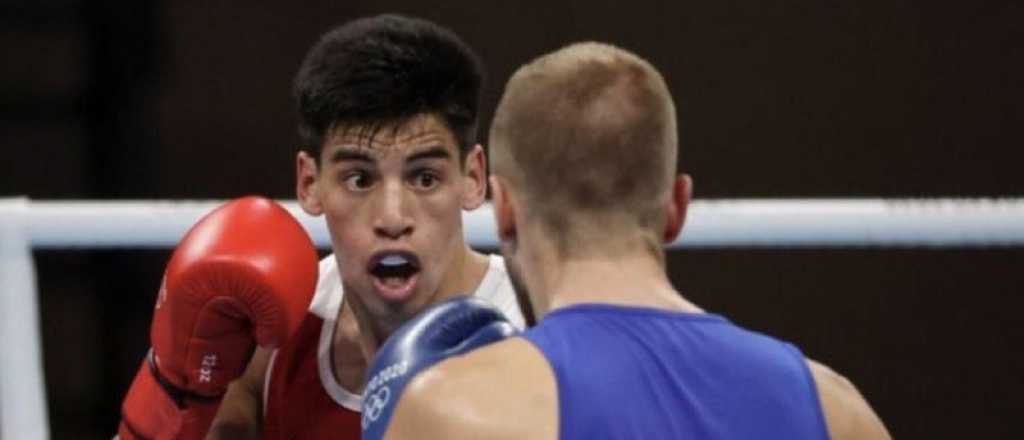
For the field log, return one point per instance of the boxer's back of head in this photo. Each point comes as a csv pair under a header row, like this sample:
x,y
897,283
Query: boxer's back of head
x,y
587,136
383,70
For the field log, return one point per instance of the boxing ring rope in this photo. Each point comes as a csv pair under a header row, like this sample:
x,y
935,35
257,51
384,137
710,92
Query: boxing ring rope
x,y
710,223
27,225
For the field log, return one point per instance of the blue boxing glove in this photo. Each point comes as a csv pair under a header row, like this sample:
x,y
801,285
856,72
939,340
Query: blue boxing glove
x,y
447,329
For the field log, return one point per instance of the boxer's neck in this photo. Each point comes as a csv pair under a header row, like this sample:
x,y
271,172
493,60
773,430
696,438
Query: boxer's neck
x,y
635,279
349,351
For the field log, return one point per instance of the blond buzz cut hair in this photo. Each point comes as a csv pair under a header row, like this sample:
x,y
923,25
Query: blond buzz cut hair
x,y
587,136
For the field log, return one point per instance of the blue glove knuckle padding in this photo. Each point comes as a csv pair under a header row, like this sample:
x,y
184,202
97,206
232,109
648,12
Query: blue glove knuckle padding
x,y
449,328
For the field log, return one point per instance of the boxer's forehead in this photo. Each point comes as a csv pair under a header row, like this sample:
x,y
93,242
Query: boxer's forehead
x,y
421,132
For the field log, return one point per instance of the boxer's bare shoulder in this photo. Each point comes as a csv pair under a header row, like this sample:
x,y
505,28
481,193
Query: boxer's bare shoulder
x,y
506,390
847,413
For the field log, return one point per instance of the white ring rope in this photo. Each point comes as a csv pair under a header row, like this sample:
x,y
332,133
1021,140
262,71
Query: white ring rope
x,y
710,223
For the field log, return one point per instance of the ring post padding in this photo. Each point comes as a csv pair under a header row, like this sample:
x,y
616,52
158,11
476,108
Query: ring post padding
x,y
22,393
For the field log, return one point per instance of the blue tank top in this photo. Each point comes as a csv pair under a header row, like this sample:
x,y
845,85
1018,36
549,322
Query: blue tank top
x,y
642,373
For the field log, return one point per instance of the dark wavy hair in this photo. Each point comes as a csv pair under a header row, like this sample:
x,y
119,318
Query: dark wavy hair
x,y
382,70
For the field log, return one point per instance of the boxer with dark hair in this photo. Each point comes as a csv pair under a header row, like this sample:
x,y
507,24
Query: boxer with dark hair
x,y
388,111
388,118
583,150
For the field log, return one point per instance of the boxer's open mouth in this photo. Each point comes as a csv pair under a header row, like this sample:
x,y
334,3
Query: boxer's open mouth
x,y
394,273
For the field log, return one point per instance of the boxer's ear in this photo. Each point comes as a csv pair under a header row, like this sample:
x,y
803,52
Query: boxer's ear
x,y
504,210
676,207
307,183
474,175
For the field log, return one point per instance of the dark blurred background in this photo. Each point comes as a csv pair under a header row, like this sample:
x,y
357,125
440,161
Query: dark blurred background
x,y
185,99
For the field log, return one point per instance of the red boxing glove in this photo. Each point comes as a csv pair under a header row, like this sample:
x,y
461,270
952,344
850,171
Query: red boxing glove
x,y
245,273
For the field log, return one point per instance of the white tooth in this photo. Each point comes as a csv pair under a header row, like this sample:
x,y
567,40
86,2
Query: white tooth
x,y
393,260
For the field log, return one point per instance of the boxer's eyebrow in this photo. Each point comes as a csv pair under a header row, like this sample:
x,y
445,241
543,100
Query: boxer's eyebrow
x,y
344,155
434,152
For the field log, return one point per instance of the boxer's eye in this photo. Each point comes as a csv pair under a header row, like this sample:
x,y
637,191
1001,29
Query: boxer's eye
x,y
358,181
425,179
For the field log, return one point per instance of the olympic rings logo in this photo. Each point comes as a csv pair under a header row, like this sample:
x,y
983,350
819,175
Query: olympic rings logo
x,y
375,404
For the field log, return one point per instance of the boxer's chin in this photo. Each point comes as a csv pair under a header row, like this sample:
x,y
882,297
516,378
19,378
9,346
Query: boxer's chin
x,y
396,289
